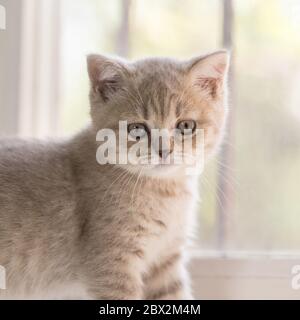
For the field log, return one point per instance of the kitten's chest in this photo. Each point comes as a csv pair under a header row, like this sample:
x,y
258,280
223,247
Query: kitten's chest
x,y
170,221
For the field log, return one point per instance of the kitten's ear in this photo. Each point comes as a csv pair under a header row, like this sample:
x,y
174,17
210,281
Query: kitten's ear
x,y
106,75
208,74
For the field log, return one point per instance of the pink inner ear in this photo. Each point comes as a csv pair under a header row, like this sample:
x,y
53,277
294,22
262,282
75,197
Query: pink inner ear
x,y
220,68
209,85
94,71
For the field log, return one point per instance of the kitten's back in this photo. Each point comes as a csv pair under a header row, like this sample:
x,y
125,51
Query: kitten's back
x,y
37,205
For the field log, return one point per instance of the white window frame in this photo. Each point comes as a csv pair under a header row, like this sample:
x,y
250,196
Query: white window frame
x,y
10,39
31,109
30,61
244,275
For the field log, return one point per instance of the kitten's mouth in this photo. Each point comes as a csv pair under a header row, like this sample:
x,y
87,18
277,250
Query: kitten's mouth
x,y
164,167
161,165
157,163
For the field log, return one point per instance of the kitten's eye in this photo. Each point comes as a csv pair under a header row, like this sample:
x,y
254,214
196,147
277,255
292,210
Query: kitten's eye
x,y
137,130
189,125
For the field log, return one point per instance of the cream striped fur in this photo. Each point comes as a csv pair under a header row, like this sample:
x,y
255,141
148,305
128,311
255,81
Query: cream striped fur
x,y
71,228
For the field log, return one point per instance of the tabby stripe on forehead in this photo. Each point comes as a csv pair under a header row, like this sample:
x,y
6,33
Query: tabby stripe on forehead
x,y
165,106
172,97
145,110
155,104
178,109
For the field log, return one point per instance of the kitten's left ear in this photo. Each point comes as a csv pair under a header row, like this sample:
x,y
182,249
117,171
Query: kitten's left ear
x,y
208,74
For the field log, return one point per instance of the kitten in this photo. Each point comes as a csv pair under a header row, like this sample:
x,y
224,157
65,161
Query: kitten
x,y
72,228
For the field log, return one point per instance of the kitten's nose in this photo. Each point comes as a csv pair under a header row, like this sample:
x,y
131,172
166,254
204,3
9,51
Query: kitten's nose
x,y
163,154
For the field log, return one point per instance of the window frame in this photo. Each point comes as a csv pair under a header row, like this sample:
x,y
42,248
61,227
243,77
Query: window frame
x,y
30,61
233,275
10,43
243,275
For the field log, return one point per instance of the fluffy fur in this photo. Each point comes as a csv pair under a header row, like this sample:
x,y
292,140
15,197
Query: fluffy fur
x,y
71,228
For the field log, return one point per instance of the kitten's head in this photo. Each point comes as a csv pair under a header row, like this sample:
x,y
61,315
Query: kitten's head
x,y
160,93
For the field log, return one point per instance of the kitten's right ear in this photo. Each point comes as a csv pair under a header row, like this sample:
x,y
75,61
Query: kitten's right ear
x,y
105,75
207,74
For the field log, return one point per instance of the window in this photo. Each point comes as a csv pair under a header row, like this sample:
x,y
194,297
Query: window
x,y
250,192
257,207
